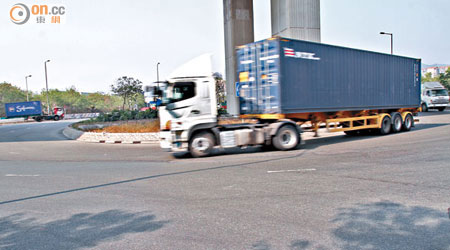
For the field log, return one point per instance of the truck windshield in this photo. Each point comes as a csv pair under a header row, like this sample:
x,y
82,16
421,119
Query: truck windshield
x,y
178,92
439,92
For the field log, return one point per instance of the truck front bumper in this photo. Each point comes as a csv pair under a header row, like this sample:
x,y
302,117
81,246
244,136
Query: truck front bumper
x,y
164,140
179,141
437,105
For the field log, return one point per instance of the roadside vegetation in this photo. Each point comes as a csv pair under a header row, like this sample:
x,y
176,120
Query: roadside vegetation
x,y
126,95
444,79
71,99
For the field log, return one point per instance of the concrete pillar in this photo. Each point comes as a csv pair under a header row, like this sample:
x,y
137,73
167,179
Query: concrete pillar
x,y
238,26
296,19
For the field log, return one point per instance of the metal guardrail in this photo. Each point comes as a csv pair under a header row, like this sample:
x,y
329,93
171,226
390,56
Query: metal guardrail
x,y
81,116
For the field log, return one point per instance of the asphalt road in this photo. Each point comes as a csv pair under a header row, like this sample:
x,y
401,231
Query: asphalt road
x,y
336,192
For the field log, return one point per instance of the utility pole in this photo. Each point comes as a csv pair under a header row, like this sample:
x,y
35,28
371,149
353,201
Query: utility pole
x,y
157,74
46,86
392,40
26,83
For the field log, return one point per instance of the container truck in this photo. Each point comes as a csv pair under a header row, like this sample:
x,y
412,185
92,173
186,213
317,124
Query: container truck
x,y
284,84
32,110
434,96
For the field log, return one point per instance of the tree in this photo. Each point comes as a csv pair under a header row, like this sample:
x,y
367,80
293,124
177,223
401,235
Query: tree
x,y
428,78
10,93
445,79
220,92
129,89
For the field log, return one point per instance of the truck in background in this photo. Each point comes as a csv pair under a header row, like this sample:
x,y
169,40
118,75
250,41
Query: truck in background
x,y
283,84
32,110
434,96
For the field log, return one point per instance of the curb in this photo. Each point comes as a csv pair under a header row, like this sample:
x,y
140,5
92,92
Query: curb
x,y
111,138
72,133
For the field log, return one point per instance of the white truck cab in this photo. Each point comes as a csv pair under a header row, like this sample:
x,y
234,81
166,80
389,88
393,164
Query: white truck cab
x,y
434,96
189,104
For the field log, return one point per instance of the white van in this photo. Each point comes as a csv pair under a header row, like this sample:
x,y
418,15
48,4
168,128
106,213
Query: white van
x,y
434,96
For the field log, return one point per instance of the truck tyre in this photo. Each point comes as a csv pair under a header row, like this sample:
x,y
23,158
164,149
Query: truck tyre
x,y
287,138
38,118
56,118
201,144
397,122
408,123
386,125
424,107
441,109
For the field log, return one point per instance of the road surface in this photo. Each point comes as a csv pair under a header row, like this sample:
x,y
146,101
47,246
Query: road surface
x,y
336,192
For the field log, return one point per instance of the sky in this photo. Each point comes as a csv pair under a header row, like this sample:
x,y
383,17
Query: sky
x,y
101,40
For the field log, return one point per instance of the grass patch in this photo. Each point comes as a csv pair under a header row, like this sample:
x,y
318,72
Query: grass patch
x,y
131,127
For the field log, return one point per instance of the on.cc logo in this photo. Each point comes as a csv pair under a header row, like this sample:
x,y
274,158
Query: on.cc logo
x,y
19,13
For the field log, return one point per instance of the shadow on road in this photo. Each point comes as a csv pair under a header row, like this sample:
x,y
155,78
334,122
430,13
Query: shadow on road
x,y
433,112
317,142
79,231
295,245
382,225
389,225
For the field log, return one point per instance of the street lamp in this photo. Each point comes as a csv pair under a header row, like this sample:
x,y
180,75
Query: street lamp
x,y
392,40
157,74
26,83
46,86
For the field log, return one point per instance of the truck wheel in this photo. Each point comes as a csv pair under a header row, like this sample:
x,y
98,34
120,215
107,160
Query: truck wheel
x,y
287,138
386,126
56,118
424,107
38,118
441,109
408,122
397,122
201,144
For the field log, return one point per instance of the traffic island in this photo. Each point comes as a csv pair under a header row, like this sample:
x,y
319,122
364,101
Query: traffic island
x,y
99,133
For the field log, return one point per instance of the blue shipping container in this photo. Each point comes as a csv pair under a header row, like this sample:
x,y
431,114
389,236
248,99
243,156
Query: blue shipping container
x,y
285,76
20,109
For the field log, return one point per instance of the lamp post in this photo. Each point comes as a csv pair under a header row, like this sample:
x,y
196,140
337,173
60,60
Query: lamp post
x,y
26,83
46,86
392,40
157,74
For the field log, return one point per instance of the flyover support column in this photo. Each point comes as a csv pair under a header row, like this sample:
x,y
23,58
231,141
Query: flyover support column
x,y
296,19
238,27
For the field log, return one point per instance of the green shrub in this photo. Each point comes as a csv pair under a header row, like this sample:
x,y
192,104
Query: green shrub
x,y
126,115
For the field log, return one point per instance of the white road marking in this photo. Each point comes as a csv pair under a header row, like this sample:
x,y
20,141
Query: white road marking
x,y
292,170
14,153
22,175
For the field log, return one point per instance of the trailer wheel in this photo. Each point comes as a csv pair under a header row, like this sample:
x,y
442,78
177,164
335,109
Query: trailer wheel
x,y
441,109
397,122
424,107
287,138
408,122
201,144
56,118
38,118
386,125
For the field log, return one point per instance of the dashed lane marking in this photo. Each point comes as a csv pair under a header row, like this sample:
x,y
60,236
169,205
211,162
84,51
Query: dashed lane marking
x,y
292,170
